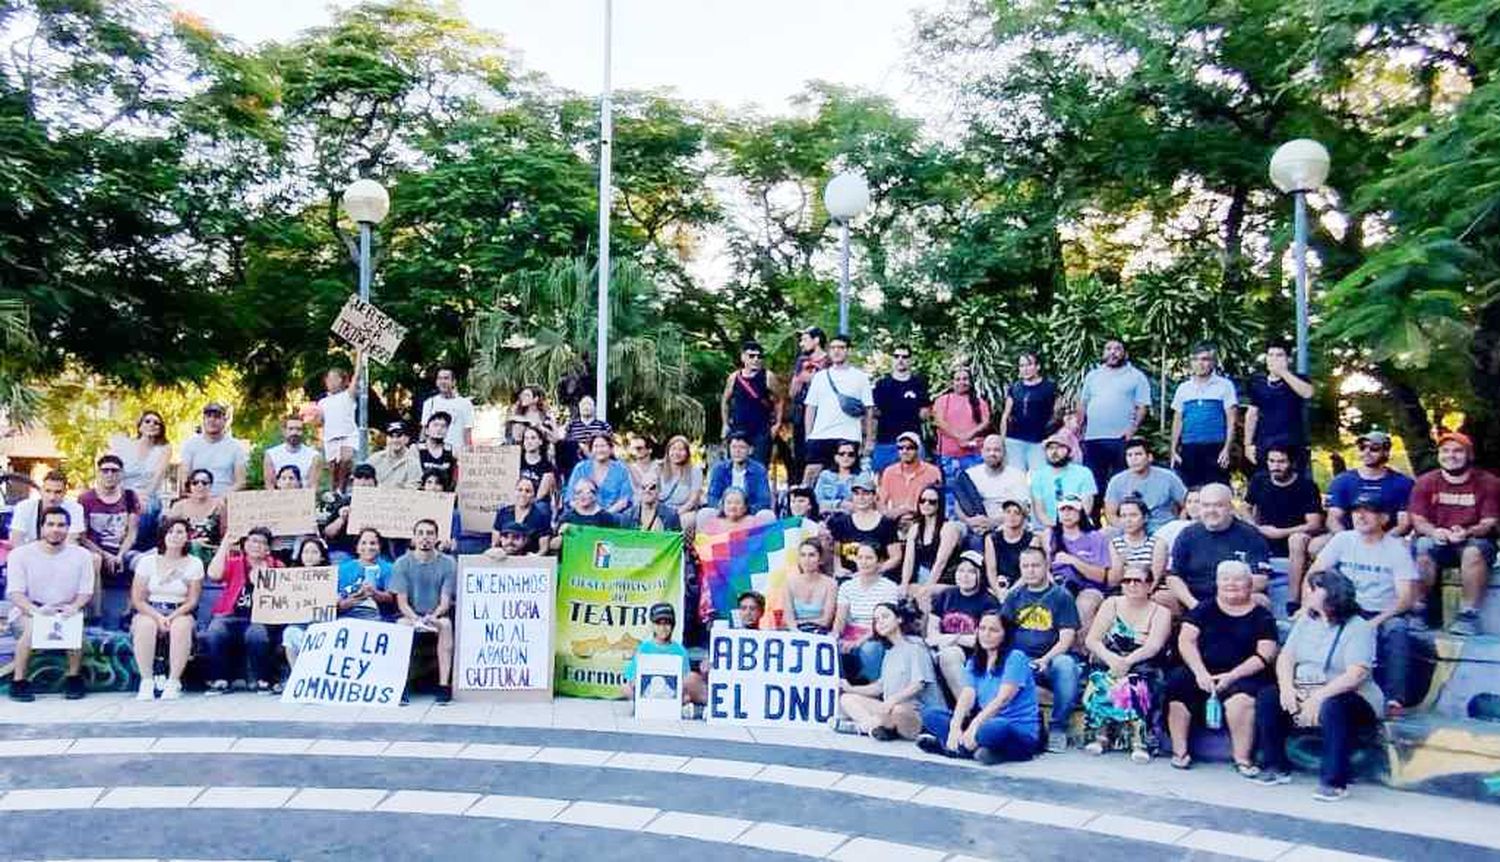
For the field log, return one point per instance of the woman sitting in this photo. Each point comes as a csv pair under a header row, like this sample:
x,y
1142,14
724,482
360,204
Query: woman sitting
x,y
583,510
362,586
286,548
681,480
1227,646
168,583
811,593
1323,681
612,484
231,629
204,513
835,488
536,467
1132,545
996,718
734,513
930,543
1122,696
529,511
955,617
853,621
892,705
1081,556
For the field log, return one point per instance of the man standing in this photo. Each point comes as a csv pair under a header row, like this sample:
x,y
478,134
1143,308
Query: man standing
x,y
1284,503
435,454
1159,488
1203,421
306,459
397,465
1277,411
1114,400
460,411
48,580
1059,478
811,358
425,583
838,411
982,491
1454,511
1385,581
214,450
1046,626
750,404
1192,575
111,515
903,482
902,404
26,522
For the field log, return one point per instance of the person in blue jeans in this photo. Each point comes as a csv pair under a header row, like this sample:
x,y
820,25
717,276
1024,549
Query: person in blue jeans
x,y
1046,627
996,717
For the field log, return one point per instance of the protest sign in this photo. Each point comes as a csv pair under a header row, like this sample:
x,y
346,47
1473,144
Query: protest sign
x,y
351,662
368,328
771,678
504,624
54,631
658,687
306,594
486,482
607,582
394,511
285,513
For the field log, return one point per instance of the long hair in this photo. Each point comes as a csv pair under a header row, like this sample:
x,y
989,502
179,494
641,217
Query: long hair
x,y
973,395
980,664
670,470
162,440
166,526
318,543
895,609
1085,525
1339,599
939,518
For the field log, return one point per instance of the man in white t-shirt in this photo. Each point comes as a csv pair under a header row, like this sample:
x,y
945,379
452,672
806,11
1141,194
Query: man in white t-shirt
x,y
981,492
214,450
47,582
291,451
26,522
827,421
340,426
459,409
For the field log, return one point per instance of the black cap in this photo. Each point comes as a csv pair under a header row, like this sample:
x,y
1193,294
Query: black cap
x,y
364,471
663,611
514,527
397,427
1368,501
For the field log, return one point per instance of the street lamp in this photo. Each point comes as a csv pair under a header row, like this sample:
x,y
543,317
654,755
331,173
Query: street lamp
x,y
845,197
1297,168
367,203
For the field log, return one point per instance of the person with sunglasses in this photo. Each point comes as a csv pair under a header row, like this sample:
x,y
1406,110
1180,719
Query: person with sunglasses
x,y
1122,696
930,543
902,404
205,514
111,515
751,403
902,483
648,513
214,449
835,487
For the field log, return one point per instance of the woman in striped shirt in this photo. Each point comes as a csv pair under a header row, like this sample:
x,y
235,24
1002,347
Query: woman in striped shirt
x,y
1133,546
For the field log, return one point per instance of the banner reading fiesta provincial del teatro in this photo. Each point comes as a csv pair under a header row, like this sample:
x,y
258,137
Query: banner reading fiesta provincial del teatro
x,y
607,581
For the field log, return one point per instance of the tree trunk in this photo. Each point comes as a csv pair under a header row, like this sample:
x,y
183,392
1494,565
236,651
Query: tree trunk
x,y
1416,428
1483,421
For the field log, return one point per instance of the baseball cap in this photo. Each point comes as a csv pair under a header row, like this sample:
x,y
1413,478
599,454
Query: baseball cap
x,y
1368,501
364,471
973,557
864,482
1455,437
663,611
397,427
514,527
215,407
1379,438
1071,501
909,435
1055,438
1020,505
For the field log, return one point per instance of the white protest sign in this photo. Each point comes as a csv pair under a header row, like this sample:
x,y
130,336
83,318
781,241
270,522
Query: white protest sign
x,y
351,662
368,328
486,482
54,631
658,687
772,678
292,512
505,624
394,511
306,594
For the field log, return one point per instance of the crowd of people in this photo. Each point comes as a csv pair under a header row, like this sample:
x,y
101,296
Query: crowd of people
x,y
972,559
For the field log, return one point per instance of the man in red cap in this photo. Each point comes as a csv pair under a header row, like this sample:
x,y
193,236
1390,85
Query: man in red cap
x,y
1454,511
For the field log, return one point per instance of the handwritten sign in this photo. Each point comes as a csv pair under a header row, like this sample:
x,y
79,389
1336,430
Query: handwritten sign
x,y
394,511
505,624
285,513
368,328
486,482
55,631
351,662
307,594
772,678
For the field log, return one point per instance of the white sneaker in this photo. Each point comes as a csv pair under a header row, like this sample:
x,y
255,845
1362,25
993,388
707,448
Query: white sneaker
x,y
160,681
171,690
147,690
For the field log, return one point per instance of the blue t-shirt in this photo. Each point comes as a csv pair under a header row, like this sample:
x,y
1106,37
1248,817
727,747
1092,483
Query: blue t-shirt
x,y
1280,408
1202,408
1160,489
1393,489
900,403
1031,409
1049,484
1022,709
1110,396
651,647
615,487
352,573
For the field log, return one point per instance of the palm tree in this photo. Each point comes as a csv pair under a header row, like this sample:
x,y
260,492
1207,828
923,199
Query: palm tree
x,y
18,400
542,329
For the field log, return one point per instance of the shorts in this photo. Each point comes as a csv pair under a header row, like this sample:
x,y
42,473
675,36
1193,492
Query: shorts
x,y
821,451
1450,556
1077,585
333,448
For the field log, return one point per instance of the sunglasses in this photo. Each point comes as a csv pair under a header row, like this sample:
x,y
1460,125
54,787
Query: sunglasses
x,y
905,447
199,482
752,355
845,454
928,501
1375,447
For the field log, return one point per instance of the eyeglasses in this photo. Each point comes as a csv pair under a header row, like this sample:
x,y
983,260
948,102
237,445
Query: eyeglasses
x,y
905,447
192,482
752,355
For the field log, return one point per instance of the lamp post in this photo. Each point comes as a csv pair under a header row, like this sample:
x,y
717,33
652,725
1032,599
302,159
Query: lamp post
x,y
367,203
845,197
1297,168
606,136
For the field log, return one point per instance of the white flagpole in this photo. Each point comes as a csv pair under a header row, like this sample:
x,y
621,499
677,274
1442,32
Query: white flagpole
x,y
606,133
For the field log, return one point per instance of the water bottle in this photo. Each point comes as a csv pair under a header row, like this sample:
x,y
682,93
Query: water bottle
x,y
1213,712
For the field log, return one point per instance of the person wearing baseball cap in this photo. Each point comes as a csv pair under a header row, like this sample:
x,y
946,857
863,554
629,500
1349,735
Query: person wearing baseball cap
x,y
902,482
1058,478
511,540
663,621
864,524
397,465
1454,513
215,450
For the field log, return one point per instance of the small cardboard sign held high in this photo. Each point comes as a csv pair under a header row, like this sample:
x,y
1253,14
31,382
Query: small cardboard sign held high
x,y
487,482
368,328
291,512
394,511
307,594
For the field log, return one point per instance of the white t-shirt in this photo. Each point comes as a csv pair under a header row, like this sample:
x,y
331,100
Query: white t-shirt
x,y
1167,533
462,411
24,520
831,422
1374,568
862,600
302,459
1010,484
220,457
338,416
168,585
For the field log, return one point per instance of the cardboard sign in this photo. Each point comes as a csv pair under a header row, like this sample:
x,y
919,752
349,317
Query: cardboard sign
x,y
297,595
486,482
368,328
351,662
658,687
54,631
504,624
394,511
772,678
284,513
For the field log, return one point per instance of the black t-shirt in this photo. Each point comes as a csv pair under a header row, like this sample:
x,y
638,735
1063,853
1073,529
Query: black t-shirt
x,y
1224,640
847,537
538,523
1008,554
1198,551
1280,408
446,464
900,403
601,518
959,614
1283,506
1031,409
535,470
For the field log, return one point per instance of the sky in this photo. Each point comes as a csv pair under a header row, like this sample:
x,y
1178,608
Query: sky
x,y
726,51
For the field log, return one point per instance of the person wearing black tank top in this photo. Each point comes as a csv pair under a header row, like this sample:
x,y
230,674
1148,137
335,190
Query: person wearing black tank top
x,y
751,404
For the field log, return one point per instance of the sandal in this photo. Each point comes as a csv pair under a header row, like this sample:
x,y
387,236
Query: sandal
x,y
1182,761
1246,770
